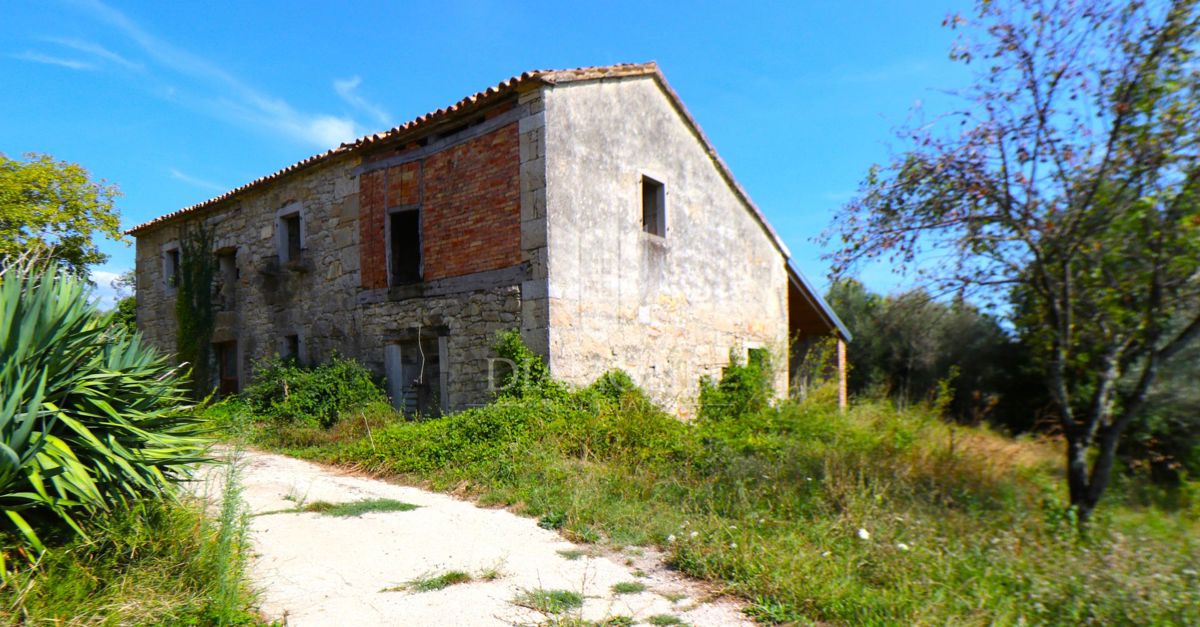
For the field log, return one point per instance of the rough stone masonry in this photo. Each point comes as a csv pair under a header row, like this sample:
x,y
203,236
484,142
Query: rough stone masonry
x,y
518,208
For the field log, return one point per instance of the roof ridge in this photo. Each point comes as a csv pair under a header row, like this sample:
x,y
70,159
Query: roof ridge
x,y
498,90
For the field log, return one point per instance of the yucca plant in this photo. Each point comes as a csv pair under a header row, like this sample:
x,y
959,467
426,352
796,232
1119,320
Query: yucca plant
x,y
90,415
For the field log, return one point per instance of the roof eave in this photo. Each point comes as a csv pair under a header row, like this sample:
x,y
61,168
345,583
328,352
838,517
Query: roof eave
x,y
822,306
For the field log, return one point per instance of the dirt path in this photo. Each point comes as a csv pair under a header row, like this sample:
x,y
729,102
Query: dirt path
x,y
317,569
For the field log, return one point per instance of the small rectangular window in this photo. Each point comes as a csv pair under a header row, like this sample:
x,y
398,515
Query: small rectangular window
x,y
654,201
290,248
758,357
405,246
171,268
227,280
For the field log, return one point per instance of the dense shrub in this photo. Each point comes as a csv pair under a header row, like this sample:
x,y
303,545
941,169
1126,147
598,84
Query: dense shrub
x,y
527,374
286,392
90,416
744,388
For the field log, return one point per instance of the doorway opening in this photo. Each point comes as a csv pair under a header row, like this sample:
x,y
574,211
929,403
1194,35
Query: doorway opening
x,y
415,376
227,370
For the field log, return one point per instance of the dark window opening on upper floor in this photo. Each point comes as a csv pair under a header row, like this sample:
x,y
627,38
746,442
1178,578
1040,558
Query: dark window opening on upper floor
x,y
292,243
654,203
171,268
227,279
405,246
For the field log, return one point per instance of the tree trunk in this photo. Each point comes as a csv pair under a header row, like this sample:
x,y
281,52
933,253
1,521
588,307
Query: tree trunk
x,y
1077,477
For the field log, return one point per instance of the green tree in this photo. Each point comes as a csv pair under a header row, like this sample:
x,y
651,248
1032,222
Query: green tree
x,y
1068,183
55,205
125,313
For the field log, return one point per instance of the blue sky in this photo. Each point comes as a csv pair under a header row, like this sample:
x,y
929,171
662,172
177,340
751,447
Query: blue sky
x,y
178,102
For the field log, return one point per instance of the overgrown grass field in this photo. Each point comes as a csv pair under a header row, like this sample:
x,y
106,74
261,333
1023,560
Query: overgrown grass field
x,y
876,516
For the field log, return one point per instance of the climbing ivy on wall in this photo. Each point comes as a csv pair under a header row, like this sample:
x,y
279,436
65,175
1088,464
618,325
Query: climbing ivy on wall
x,y
194,310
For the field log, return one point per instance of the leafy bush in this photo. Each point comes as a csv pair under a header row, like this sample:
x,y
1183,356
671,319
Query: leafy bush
x,y
90,417
286,392
744,388
528,375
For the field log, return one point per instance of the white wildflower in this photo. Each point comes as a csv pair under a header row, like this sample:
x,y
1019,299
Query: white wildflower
x,y
762,521
733,545
902,546
695,533
826,554
864,534
671,538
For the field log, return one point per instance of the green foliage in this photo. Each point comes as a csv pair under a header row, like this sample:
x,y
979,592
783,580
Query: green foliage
x,y
776,499
1077,202
628,587
906,345
743,389
155,562
285,392
91,417
125,314
430,583
527,374
549,601
357,508
54,206
195,315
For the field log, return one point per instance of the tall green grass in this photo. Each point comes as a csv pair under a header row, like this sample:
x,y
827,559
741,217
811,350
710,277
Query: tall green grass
x,y
876,516
161,561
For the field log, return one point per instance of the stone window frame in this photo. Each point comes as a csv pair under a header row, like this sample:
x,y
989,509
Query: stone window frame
x,y
661,228
229,284
387,241
172,263
290,210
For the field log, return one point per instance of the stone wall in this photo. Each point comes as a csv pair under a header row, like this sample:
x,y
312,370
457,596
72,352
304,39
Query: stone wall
x,y
532,221
666,309
334,303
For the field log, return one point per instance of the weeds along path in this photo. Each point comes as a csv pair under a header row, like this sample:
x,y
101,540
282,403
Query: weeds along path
x,y
332,548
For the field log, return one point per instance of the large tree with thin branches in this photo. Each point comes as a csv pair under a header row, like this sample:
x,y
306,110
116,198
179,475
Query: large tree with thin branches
x,y
1066,186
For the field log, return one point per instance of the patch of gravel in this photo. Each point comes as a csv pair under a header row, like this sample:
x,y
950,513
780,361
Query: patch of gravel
x,y
312,569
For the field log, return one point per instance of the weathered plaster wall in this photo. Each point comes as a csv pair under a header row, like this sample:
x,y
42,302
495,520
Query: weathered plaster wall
x,y
328,299
667,310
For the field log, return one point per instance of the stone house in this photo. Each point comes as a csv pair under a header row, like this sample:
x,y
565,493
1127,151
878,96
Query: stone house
x,y
583,207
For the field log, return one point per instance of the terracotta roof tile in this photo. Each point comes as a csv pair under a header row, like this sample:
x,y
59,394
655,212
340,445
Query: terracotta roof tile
x,y
504,88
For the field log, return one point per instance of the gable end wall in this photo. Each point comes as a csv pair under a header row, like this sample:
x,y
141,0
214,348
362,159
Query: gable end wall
x,y
667,310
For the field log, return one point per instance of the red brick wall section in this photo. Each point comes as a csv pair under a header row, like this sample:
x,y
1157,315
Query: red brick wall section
x,y
372,254
472,206
470,209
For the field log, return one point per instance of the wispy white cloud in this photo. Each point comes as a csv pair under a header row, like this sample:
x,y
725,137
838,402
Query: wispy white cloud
x,y
347,89
93,49
228,96
197,182
105,294
37,57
